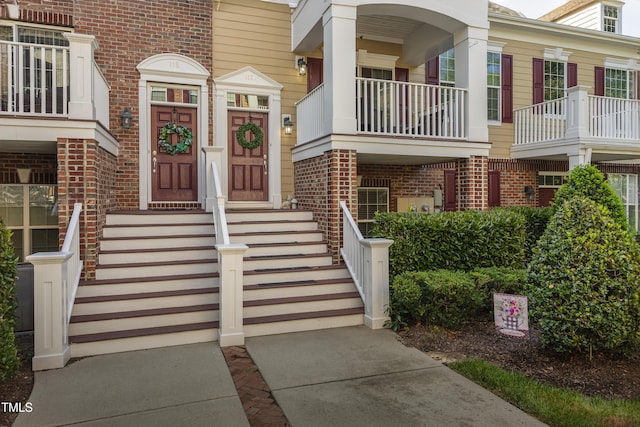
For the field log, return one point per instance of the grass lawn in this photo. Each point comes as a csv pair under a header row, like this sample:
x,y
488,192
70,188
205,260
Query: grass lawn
x,y
554,406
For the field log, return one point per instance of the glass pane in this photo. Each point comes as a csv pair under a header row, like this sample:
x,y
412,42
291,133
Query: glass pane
x,y
239,100
43,205
17,239
6,33
44,240
41,36
12,205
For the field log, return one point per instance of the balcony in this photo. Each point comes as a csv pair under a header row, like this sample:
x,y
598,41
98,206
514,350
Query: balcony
x,y
608,127
391,109
62,83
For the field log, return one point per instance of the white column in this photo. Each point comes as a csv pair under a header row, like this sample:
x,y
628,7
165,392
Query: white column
x,y
339,26
211,154
577,112
51,343
376,282
471,73
230,270
81,47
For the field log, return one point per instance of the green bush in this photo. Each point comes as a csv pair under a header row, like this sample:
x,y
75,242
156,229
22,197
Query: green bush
x,y
584,282
536,220
9,361
452,240
439,297
502,280
587,181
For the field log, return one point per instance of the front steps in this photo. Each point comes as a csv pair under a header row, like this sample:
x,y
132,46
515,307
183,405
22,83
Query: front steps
x,y
157,281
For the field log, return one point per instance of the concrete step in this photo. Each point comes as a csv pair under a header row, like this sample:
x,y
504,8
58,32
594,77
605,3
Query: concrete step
x,y
157,217
140,339
271,325
236,216
159,254
289,261
271,226
277,237
97,288
300,288
154,269
273,249
133,302
303,304
140,319
279,275
153,230
154,242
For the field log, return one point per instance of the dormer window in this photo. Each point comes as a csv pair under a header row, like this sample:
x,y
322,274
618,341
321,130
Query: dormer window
x,y
610,22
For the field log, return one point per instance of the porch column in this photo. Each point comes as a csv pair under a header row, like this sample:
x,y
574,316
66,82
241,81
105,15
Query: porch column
x,y
577,112
471,73
81,47
339,34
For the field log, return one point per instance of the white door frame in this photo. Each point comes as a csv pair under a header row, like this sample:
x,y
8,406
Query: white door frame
x,y
170,69
248,80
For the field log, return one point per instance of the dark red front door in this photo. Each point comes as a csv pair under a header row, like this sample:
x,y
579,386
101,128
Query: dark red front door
x,y
248,171
174,177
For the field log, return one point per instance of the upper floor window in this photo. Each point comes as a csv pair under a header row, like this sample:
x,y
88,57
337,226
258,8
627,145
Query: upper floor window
x,y
610,19
33,35
448,68
554,80
494,88
619,83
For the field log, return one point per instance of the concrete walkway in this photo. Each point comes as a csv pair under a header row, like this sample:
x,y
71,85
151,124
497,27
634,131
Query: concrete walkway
x,y
338,377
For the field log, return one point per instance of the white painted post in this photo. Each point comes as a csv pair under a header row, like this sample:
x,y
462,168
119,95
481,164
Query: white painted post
x,y
211,154
230,269
51,328
81,94
577,112
376,281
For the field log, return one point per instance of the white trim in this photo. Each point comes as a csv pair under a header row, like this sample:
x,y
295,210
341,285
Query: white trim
x,y
171,69
495,46
556,54
249,80
624,64
376,60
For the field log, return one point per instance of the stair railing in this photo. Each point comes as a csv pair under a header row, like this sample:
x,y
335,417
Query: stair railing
x,y
56,279
368,263
219,215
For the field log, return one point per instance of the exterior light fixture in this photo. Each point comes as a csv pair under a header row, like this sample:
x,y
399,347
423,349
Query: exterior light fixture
x,y
301,65
287,125
126,118
529,192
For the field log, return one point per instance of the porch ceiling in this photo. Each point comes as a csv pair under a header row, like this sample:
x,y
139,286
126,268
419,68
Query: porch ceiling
x,y
386,28
39,147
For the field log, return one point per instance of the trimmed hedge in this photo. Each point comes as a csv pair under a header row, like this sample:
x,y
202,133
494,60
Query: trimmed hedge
x,y
498,280
453,240
9,360
536,222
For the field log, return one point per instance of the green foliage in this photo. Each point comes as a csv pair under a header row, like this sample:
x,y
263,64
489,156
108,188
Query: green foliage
x,y
439,297
9,361
536,220
587,181
503,280
452,240
584,282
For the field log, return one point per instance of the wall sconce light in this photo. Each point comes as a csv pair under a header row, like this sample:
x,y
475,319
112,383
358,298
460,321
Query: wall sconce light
x,y
301,65
24,175
126,118
529,192
287,124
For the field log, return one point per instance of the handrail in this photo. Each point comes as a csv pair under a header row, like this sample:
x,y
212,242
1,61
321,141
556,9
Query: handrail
x,y
352,251
219,215
74,268
546,121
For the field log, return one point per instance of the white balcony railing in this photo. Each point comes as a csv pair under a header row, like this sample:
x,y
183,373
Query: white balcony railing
x,y
34,79
310,114
578,115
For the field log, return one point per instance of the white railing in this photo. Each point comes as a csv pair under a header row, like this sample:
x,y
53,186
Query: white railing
x,y
219,215
71,245
310,115
546,121
368,263
101,97
34,79
352,251
56,279
614,118
410,109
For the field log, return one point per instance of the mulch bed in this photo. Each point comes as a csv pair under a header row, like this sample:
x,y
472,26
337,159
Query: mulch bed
x,y
19,388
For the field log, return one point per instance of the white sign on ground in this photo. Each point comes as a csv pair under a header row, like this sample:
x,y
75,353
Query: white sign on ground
x,y
511,314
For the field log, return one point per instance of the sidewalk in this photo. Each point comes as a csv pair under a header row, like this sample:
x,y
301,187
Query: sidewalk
x,y
338,377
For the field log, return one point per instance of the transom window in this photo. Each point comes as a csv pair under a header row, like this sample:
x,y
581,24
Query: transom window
x,y
243,100
376,73
448,68
31,213
619,83
33,35
610,19
493,85
174,95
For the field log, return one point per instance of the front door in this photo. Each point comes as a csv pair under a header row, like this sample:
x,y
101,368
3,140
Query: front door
x,y
248,170
174,177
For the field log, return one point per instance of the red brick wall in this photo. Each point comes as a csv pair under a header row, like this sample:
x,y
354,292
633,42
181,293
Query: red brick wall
x,y
43,167
50,12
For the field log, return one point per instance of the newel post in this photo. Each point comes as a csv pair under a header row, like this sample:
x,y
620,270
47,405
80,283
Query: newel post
x,y
212,154
376,281
81,94
51,329
577,112
230,270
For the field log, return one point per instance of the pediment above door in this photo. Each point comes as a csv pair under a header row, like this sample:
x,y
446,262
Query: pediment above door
x,y
248,77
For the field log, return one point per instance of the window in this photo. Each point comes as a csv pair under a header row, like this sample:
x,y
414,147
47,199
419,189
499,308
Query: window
x,y
242,100
554,80
370,201
619,83
376,73
550,180
610,19
626,186
448,68
494,83
177,95
31,213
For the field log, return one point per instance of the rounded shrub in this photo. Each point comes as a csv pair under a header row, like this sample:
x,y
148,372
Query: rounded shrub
x,y
587,181
9,361
584,282
502,280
